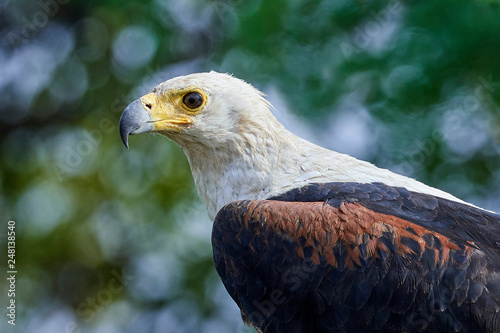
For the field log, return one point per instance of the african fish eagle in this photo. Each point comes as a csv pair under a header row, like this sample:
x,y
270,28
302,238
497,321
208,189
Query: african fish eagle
x,y
309,240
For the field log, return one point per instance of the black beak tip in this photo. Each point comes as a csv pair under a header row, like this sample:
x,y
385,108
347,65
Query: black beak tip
x,y
126,144
124,132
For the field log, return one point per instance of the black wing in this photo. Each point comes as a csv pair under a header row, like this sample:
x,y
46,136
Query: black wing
x,y
346,257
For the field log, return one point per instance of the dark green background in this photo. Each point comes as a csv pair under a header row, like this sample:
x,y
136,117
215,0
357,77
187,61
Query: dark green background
x,y
110,240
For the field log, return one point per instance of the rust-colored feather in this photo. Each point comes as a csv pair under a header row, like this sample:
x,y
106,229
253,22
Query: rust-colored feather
x,y
351,223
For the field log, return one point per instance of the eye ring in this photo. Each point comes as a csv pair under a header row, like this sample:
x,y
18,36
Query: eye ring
x,y
193,100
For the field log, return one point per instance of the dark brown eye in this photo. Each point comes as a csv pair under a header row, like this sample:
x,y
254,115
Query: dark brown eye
x,y
193,100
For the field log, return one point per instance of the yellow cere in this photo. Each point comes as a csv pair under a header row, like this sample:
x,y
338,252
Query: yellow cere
x,y
168,110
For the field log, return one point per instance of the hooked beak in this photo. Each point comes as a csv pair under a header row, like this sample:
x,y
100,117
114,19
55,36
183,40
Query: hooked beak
x,y
135,120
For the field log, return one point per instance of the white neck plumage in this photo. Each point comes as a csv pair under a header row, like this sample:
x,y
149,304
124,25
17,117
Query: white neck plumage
x,y
271,160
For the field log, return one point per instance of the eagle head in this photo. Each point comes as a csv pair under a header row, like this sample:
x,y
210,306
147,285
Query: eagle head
x,y
202,108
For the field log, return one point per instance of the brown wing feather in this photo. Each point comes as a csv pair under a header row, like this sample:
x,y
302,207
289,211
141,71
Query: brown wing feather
x,y
314,267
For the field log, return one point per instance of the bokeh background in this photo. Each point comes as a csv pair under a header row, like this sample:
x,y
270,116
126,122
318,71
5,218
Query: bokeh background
x,y
110,240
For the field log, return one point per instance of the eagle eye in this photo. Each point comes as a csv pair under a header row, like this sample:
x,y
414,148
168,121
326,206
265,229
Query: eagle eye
x,y
193,100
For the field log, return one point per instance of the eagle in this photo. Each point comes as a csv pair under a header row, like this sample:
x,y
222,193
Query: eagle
x,y
306,239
